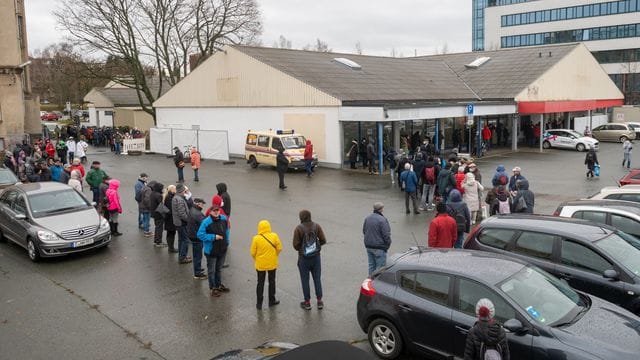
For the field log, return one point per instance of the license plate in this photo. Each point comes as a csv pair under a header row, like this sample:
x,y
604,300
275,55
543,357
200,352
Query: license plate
x,y
82,243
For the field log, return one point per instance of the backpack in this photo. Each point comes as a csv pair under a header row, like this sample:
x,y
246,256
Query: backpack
x,y
503,207
430,175
461,220
310,245
503,180
490,353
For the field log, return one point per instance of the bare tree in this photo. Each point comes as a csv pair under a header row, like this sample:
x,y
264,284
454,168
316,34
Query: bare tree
x,y
393,52
282,43
445,48
320,46
358,48
629,79
157,34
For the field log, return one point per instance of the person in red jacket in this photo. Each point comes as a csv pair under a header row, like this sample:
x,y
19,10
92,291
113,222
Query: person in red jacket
x,y
50,149
486,135
308,157
443,230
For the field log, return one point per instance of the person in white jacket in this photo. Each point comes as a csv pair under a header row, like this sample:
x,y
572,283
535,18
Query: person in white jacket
x,y
626,149
81,150
71,148
472,193
74,181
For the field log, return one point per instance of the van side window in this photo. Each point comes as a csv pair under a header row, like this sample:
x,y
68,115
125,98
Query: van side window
x,y
263,140
535,244
276,143
252,139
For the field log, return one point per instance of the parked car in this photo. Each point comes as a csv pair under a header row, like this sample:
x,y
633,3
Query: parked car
x,y
623,215
7,178
50,219
619,132
424,302
568,139
632,177
261,147
626,193
593,258
635,126
51,116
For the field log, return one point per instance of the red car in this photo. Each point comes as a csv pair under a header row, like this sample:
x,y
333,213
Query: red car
x,y
633,177
50,117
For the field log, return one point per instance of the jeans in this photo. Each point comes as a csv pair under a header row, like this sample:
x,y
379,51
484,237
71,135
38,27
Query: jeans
x,y
307,166
180,174
197,256
392,171
311,265
627,159
116,147
214,267
260,286
140,220
414,200
195,175
459,242
96,194
146,219
183,242
70,157
159,227
377,259
428,191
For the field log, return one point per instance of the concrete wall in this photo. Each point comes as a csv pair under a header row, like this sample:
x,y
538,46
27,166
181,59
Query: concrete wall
x,y
320,124
98,117
626,113
134,118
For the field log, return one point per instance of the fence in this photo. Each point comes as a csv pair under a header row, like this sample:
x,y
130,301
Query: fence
x,y
133,145
212,144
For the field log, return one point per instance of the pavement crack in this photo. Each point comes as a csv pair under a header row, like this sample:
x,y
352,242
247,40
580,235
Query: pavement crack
x,y
129,333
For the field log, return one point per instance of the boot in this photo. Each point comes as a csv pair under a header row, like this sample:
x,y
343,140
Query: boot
x,y
115,230
170,245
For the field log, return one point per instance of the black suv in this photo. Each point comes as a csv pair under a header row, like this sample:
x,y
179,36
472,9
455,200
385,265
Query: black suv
x,y
591,257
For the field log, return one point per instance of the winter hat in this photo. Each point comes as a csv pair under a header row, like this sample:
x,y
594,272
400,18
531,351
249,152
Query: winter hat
x,y
485,309
217,200
180,188
378,206
517,168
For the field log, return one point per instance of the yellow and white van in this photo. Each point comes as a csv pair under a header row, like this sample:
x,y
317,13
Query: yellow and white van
x,y
261,147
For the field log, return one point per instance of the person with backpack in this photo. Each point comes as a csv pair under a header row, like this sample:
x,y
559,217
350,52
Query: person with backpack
x,y
265,248
409,181
500,177
591,160
429,176
446,182
472,195
486,340
626,152
514,178
524,200
459,211
501,203
391,159
443,229
308,239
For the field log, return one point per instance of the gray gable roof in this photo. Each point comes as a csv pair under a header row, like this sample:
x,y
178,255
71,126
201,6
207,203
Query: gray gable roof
x,y
428,78
128,97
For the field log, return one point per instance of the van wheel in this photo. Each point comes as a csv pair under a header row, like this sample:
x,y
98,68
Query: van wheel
x,y
32,249
546,145
580,147
253,162
623,139
385,339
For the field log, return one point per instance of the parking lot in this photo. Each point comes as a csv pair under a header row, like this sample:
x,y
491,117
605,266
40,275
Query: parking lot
x,y
132,300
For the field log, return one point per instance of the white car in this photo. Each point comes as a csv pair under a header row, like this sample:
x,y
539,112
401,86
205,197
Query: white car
x,y
569,139
627,193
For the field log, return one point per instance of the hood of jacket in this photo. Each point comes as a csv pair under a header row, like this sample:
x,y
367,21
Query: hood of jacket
x,y
455,196
75,174
489,333
264,227
114,184
222,188
500,168
523,184
470,178
151,184
157,187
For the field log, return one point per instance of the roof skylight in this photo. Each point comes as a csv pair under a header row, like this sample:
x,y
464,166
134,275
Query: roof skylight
x,y
349,63
478,62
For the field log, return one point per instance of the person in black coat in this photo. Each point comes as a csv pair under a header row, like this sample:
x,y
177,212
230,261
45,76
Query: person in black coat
x,y
169,227
486,334
193,224
282,164
591,160
226,198
363,153
155,199
353,153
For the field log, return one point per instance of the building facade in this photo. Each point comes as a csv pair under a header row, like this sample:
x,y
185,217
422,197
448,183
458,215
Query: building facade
x,y
19,109
609,29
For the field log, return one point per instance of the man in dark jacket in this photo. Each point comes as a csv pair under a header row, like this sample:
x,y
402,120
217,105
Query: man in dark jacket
x,y
193,224
282,164
155,199
459,211
145,207
180,215
410,182
226,198
137,195
527,195
65,175
486,335
591,160
178,161
353,153
377,237
446,181
371,157
309,263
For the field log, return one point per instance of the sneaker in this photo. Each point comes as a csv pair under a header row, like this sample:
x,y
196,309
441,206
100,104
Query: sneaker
x,y
148,234
305,305
223,288
416,212
408,212
160,245
274,303
320,305
200,276
214,292
185,260
225,266
421,208
172,250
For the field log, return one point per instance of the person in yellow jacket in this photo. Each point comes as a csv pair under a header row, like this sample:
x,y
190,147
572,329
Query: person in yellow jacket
x,y
265,248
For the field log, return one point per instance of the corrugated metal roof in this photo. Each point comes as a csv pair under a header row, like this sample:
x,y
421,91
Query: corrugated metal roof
x,y
428,78
122,96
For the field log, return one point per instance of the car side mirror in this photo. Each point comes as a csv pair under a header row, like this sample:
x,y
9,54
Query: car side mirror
x,y
514,326
20,217
612,275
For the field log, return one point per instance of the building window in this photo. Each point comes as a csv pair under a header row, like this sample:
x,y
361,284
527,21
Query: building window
x,y
573,12
565,36
20,31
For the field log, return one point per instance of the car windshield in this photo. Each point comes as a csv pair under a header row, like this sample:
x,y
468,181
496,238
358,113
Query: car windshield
x,y
575,133
293,142
633,126
546,299
624,248
7,177
50,203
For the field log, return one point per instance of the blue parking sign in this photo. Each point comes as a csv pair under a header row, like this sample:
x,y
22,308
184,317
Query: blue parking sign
x,y
469,109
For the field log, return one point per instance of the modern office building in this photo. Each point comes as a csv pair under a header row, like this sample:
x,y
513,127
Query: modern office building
x,y
609,29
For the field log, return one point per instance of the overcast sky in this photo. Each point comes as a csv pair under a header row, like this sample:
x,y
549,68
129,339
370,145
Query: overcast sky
x,y
408,26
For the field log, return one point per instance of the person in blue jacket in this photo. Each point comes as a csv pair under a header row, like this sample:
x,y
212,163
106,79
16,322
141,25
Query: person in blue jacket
x,y
214,234
410,183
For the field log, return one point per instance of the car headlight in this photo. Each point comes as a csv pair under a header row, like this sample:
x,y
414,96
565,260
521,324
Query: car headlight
x,y
47,236
104,224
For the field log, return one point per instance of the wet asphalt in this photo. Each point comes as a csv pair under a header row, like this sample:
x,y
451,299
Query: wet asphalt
x,y
134,301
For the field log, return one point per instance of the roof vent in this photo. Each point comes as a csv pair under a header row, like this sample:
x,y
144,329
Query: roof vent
x,y
478,62
349,63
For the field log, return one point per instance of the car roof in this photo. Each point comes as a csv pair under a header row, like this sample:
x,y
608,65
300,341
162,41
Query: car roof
x,y
479,265
630,206
42,187
562,130
631,188
563,226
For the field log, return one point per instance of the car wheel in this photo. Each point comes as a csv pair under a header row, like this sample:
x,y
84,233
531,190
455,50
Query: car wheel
x,y
546,145
385,339
253,162
32,249
580,147
623,139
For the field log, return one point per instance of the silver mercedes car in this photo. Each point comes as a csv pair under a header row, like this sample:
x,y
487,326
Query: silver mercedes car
x,y
50,219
